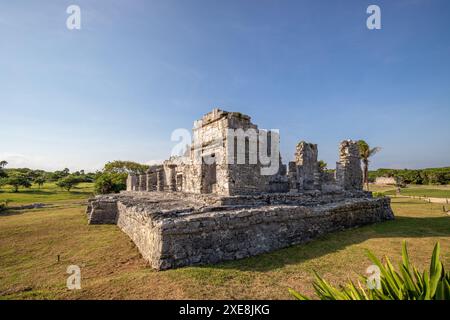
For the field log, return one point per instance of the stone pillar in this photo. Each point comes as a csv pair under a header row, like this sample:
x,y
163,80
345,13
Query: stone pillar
x,y
137,186
292,177
151,181
308,168
317,180
160,179
143,182
172,178
130,182
348,169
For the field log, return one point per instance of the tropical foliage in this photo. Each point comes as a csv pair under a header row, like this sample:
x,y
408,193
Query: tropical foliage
x,y
114,176
406,284
69,181
16,180
421,176
2,165
366,152
125,167
109,182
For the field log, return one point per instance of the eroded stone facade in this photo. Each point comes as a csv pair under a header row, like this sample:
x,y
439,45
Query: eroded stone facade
x,y
215,164
218,203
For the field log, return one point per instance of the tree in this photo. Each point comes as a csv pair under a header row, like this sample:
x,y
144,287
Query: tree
x,y
68,182
110,182
3,164
125,167
40,180
365,153
322,165
17,180
113,178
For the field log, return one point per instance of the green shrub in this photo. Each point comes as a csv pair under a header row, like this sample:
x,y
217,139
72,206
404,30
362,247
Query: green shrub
x,y
110,182
17,180
420,176
408,284
69,182
377,194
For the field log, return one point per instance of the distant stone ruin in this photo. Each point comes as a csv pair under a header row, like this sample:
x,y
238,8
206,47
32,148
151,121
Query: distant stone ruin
x,y
385,181
230,196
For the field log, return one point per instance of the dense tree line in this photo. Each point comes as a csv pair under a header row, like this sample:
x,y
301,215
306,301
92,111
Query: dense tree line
x,y
24,177
111,179
419,176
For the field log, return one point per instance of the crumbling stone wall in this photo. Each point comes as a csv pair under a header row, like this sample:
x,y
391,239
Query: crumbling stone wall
x,y
206,167
102,211
131,182
180,231
307,167
348,169
143,182
151,179
218,236
206,209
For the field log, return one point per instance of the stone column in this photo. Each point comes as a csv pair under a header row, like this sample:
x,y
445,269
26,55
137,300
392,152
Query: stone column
x,y
160,180
348,169
151,181
143,182
308,169
137,186
129,182
172,178
292,177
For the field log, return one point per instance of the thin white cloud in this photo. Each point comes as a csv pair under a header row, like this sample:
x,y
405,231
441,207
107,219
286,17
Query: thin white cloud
x,y
153,162
17,160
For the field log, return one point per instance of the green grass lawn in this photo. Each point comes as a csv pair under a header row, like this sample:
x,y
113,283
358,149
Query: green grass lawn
x,y
422,192
112,267
48,193
432,191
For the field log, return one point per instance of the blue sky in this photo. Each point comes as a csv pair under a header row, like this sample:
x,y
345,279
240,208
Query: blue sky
x,y
137,70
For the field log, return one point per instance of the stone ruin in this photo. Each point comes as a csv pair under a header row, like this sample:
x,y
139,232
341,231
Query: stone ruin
x,y
217,202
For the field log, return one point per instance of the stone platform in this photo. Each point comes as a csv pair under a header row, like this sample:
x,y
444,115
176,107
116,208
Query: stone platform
x,y
174,229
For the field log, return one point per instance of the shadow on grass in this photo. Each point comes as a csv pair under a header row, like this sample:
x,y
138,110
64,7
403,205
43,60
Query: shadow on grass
x,y
402,227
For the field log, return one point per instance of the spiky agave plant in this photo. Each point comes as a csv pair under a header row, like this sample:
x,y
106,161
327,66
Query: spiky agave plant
x,y
407,284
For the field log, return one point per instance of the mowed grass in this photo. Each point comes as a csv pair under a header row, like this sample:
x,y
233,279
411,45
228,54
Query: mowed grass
x,y
432,191
112,268
48,193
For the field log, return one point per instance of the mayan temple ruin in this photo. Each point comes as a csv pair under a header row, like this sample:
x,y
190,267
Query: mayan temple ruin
x,y
230,196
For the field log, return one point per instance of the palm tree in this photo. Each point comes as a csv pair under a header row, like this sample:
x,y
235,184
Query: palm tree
x,y
366,152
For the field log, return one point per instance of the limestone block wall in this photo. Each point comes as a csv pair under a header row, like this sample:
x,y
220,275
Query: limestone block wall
x,y
151,181
142,182
102,211
143,230
306,160
173,239
132,182
208,154
348,169
211,140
